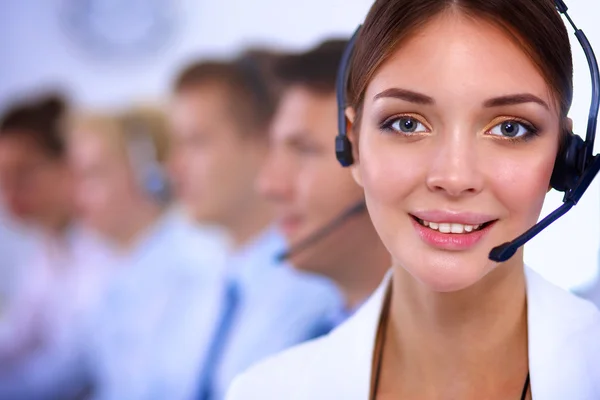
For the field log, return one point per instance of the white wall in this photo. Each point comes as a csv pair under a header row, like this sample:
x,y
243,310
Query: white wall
x,y
35,49
36,52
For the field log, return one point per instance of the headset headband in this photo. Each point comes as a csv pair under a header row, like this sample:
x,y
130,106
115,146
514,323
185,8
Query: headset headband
x,y
343,148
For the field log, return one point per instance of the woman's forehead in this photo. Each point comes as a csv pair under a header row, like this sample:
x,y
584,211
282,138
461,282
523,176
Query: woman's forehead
x,y
458,57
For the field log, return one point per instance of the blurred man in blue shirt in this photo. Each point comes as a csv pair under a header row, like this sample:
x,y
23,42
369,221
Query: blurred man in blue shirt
x,y
312,192
220,115
57,282
17,243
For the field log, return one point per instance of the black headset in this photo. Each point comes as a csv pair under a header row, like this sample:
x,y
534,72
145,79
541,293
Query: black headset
x,y
343,147
575,167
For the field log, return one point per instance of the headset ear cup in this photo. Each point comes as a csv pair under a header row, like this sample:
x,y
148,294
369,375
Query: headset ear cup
x,y
156,184
343,150
566,171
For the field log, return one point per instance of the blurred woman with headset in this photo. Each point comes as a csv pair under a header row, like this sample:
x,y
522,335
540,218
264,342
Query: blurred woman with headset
x,y
149,332
38,329
457,127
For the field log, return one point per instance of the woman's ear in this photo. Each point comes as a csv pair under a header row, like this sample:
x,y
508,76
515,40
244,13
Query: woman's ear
x,y
569,124
350,117
350,131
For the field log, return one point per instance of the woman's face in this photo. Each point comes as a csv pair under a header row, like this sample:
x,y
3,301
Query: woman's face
x,y
106,190
456,146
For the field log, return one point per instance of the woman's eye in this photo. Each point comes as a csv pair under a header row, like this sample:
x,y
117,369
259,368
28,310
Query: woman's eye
x,y
405,125
511,129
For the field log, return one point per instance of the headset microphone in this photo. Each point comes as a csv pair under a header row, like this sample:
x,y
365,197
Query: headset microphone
x,y
323,231
576,166
507,250
574,170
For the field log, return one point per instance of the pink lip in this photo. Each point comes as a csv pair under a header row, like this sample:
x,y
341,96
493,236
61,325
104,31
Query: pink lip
x,y
464,218
450,241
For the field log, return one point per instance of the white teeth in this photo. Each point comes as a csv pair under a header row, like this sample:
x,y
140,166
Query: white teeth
x,y
457,228
450,227
445,228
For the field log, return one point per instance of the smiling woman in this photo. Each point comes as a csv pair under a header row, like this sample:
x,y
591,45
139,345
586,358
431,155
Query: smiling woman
x,y
447,150
457,122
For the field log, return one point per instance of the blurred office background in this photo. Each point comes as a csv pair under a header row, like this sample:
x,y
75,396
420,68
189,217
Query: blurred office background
x,y
108,53
114,53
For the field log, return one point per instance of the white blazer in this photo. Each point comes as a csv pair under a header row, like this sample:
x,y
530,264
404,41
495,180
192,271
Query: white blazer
x,y
564,353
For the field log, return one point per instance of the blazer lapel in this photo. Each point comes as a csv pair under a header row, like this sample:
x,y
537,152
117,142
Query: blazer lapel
x,y
355,341
564,343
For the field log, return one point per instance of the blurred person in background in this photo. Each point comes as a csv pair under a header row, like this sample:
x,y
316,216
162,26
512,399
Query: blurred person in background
x,y
310,191
17,244
38,330
220,115
151,330
456,150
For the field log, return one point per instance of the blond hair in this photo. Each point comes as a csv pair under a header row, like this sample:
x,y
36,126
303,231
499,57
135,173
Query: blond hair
x,y
122,129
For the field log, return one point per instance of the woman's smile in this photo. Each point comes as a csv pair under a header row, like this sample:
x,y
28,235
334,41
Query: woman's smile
x,y
451,230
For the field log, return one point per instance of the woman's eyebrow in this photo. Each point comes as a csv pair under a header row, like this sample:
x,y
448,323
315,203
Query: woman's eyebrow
x,y
406,95
514,99
420,98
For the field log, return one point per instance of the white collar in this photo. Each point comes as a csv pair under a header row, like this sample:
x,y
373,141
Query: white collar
x,y
563,334
564,342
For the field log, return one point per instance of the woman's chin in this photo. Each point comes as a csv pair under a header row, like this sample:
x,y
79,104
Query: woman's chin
x,y
451,274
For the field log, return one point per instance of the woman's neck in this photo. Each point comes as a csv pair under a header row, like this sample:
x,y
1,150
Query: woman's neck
x,y
466,344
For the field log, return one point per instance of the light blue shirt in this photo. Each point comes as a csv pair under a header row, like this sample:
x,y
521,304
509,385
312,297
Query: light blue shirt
x,y
151,333
40,341
17,246
279,307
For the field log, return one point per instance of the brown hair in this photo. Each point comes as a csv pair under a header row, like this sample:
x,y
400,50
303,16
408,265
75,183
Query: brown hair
x,y
315,69
39,120
534,24
248,83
